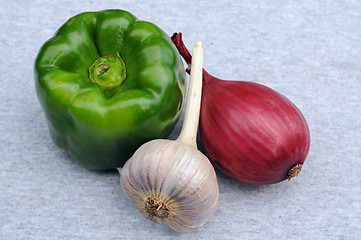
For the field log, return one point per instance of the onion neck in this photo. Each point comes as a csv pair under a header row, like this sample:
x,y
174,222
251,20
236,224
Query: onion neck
x,y
183,51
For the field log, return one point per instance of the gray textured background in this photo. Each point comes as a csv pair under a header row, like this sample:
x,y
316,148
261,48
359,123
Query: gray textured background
x,y
310,51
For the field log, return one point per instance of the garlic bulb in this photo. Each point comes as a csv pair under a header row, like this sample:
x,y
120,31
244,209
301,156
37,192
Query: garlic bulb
x,y
171,182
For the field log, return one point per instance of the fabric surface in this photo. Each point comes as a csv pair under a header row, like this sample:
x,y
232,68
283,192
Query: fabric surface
x,y
307,50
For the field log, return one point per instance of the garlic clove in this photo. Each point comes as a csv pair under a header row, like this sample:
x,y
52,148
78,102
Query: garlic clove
x,y
181,193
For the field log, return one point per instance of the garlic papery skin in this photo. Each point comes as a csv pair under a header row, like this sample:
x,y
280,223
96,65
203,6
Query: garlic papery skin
x,y
171,183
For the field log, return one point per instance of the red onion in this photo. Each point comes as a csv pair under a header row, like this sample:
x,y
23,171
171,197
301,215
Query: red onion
x,y
249,131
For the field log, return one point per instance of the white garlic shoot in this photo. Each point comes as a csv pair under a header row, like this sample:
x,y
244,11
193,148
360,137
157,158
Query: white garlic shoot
x,y
172,182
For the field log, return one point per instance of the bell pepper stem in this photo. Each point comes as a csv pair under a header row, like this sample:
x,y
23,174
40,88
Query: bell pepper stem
x,y
108,72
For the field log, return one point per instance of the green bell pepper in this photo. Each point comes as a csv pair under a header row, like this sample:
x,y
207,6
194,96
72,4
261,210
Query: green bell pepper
x,y
107,83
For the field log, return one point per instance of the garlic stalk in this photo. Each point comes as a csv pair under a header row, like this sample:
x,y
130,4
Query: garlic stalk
x,y
171,182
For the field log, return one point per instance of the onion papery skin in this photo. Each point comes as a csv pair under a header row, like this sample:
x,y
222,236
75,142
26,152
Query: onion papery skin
x,y
251,132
